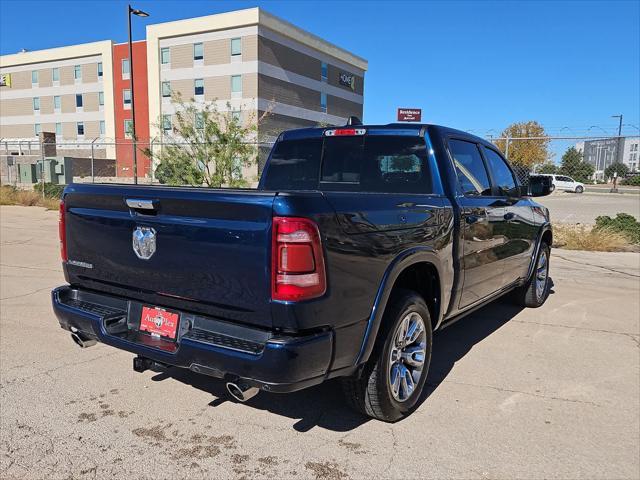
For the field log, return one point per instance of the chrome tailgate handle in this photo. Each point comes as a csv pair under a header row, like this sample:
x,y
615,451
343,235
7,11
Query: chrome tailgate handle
x,y
141,204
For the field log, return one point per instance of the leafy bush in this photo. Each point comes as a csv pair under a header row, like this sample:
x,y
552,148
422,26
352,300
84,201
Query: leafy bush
x,y
635,181
623,223
51,190
620,168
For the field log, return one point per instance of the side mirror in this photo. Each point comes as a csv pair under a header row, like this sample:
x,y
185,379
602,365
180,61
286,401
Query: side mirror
x,y
539,186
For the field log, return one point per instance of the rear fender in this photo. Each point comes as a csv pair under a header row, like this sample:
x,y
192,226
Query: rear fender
x,y
400,263
546,227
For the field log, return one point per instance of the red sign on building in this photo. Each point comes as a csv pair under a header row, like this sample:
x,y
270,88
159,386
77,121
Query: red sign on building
x,y
409,114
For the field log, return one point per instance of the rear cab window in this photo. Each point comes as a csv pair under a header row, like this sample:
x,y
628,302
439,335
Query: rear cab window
x,y
359,163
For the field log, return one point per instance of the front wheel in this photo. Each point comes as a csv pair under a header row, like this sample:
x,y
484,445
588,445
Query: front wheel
x,y
553,187
579,189
535,292
390,385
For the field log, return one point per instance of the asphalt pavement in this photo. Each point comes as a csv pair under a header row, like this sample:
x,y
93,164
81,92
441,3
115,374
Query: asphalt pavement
x,y
545,393
584,208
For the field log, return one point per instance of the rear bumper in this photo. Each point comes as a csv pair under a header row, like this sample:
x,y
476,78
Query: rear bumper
x,y
204,345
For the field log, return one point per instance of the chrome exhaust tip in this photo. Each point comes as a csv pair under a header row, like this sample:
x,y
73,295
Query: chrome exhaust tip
x,y
82,341
241,392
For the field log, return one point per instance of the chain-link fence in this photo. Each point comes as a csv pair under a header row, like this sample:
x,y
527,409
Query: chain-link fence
x,y
25,162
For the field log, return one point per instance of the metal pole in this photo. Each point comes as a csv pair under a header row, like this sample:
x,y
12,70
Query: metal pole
x,y
93,178
506,148
133,102
42,168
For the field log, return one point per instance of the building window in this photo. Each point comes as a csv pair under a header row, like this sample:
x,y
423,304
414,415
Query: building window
x,y
37,129
78,100
199,123
323,102
36,104
166,89
125,68
102,127
80,128
236,83
56,102
100,98
77,72
236,115
236,47
55,74
126,98
58,128
128,128
198,51
34,76
198,86
165,56
99,69
634,147
324,72
166,123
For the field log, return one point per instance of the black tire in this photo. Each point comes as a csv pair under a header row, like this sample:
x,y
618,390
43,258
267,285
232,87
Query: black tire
x,y
370,392
579,189
529,295
553,187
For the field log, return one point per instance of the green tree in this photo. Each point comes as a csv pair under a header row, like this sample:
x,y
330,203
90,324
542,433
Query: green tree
x,y
206,146
620,168
526,153
547,167
575,167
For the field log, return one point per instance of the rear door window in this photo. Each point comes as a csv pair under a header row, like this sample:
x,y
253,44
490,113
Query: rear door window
x,y
472,173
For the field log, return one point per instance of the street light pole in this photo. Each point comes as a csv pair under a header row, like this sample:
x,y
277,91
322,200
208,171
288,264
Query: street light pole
x,y
139,13
619,153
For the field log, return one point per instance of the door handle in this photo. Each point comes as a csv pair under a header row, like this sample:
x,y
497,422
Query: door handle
x,y
509,216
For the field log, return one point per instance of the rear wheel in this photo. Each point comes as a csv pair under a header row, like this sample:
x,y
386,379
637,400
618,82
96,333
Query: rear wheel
x,y
579,189
535,292
390,385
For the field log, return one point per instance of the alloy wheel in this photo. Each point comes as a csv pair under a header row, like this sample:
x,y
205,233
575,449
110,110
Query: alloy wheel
x,y
407,356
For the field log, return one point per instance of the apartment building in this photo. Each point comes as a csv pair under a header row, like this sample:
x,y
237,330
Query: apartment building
x,y
603,152
256,63
246,61
66,91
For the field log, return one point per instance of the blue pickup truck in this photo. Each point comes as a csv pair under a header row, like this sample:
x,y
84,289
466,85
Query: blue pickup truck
x,y
358,244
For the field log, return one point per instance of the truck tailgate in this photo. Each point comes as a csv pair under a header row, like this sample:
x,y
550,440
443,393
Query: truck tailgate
x,y
212,247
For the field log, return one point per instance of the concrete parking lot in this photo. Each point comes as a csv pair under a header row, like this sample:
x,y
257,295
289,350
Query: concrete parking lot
x,y
584,208
546,393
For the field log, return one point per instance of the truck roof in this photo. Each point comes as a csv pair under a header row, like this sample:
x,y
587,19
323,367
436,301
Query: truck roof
x,y
388,129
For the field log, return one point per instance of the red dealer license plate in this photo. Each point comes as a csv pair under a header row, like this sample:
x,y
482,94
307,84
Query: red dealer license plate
x,y
159,322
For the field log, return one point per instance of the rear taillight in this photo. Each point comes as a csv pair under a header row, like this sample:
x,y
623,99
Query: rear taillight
x,y
62,232
297,270
344,132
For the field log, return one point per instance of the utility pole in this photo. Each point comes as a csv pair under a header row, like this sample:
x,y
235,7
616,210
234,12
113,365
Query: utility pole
x,y
620,149
139,13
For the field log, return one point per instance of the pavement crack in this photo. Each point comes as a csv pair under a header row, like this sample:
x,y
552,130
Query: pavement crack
x,y
633,336
507,390
556,255
13,297
30,268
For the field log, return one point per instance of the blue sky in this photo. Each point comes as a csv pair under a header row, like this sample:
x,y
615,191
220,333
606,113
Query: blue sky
x,y
472,65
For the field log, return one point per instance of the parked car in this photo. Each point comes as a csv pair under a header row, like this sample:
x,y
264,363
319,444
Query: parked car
x,y
564,183
359,243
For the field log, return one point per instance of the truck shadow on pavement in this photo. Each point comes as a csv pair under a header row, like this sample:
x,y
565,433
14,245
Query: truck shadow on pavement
x,y
323,405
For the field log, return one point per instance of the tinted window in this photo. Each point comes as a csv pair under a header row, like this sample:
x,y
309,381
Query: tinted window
x,y
472,174
501,172
391,164
294,165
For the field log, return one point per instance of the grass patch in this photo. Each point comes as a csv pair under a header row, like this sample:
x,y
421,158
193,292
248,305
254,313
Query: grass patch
x,y
623,223
12,196
590,238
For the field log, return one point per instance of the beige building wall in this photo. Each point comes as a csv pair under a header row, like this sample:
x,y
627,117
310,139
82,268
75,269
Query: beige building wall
x,y
16,103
